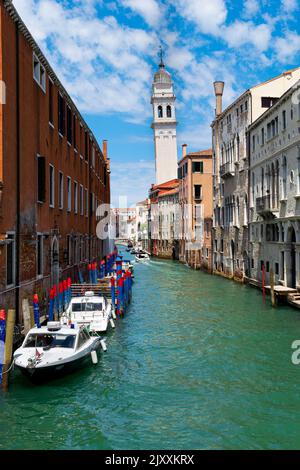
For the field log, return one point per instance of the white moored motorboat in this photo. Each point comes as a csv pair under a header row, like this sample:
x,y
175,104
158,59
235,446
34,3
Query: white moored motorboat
x,y
141,256
55,350
90,310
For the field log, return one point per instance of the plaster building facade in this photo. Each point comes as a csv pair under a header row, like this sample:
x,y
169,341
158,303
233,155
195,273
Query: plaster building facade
x,y
274,150
230,170
165,217
195,200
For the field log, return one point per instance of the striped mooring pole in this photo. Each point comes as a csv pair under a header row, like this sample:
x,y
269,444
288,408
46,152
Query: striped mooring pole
x,y
2,340
36,311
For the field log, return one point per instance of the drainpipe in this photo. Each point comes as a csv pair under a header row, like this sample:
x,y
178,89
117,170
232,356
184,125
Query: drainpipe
x,y
18,189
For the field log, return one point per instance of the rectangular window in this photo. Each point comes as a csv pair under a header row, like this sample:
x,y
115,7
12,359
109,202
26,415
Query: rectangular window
x,y
261,265
51,102
283,120
93,156
42,78
197,191
61,190
252,263
51,186
86,145
39,73
268,267
86,203
69,125
61,115
267,102
41,171
277,269
81,141
40,255
36,69
74,132
197,167
69,193
263,136
253,143
81,200
75,197
10,259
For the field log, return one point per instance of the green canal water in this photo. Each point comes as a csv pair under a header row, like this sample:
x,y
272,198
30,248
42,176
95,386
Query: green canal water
x,y
199,362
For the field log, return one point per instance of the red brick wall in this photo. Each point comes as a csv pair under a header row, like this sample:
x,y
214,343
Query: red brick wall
x,y
38,137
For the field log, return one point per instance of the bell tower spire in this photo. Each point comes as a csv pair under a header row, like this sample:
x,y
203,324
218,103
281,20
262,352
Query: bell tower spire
x,y
164,124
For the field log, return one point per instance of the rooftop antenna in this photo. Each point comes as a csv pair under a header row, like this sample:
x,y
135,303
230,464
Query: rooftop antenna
x,y
161,55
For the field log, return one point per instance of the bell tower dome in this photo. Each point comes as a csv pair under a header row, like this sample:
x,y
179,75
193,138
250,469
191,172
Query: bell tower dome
x,y
164,125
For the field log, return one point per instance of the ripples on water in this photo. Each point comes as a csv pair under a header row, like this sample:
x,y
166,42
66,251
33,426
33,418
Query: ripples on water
x,y
199,362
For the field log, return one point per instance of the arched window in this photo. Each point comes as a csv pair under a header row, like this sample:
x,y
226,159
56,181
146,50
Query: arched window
x,y
245,210
262,182
277,183
284,177
160,111
253,188
169,111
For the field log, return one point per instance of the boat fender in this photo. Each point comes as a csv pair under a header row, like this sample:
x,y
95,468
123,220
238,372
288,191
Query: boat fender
x,y
114,314
103,345
94,357
112,323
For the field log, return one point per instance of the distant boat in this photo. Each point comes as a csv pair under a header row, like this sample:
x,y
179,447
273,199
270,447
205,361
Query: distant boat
x,y
55,350
142,257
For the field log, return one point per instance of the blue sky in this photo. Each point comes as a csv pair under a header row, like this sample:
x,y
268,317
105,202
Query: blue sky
x,y
106,51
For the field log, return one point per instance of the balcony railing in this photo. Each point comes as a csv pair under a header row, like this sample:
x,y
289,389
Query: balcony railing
x,y
227,170
264,205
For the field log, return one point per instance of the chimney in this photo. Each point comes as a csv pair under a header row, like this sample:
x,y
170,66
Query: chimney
x,y
184,147
104,145
219,88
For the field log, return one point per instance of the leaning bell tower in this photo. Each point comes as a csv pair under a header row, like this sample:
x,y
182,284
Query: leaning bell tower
x,y
164,125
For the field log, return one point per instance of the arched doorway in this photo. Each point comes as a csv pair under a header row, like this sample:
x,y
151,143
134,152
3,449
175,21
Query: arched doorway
x,y
291,260
55,261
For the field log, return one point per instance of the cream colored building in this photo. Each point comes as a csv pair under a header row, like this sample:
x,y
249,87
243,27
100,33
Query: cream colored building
x,y
274,151
230,169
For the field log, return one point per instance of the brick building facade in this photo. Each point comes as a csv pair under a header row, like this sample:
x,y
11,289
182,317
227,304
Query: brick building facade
x,y
53,174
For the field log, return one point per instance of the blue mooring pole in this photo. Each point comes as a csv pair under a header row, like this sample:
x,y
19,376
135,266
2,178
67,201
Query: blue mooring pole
x,y
51,306
2,340
113,292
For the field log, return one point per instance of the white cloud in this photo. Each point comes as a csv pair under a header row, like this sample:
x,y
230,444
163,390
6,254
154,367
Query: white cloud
x,y
208,15
251,8
102,63
287,47
289,5
132,180
148,9
241,33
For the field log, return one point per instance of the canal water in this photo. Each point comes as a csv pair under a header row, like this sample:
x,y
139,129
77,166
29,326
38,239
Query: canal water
x,y
199,362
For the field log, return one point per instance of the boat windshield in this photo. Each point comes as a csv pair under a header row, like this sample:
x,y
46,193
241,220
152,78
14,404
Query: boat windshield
x,y
46,340
86,307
